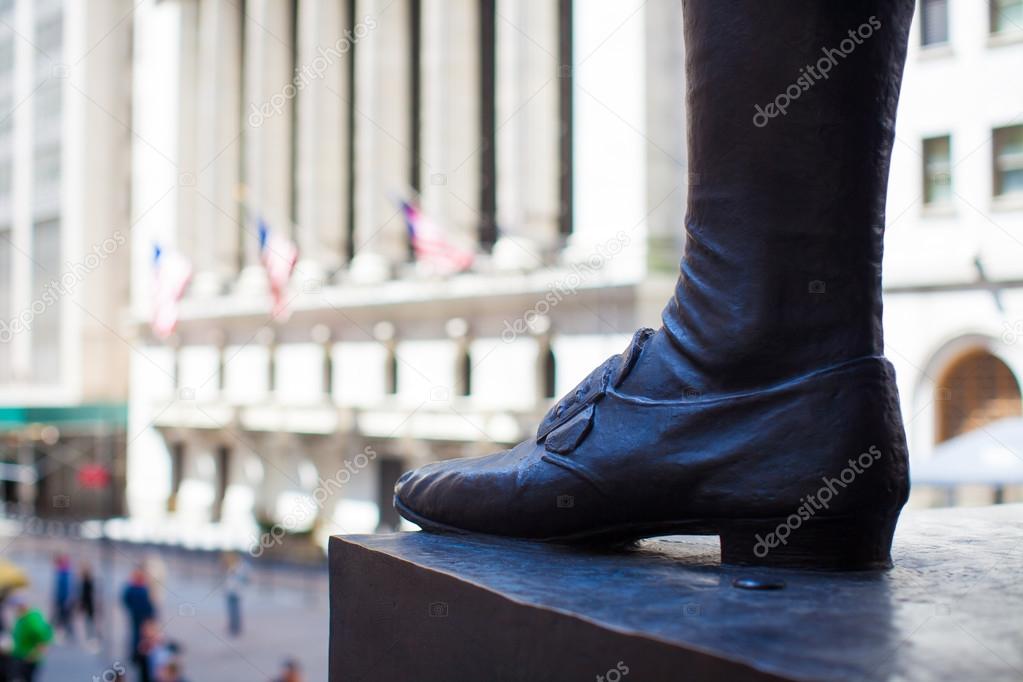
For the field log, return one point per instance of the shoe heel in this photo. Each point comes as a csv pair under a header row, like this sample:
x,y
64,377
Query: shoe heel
x,y
846,544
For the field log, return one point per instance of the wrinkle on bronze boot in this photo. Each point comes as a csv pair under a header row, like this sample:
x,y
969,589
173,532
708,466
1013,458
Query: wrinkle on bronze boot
x,y
791,112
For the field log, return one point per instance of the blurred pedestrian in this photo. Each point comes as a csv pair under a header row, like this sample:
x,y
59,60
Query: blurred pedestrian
x,y
162,655
234,582
3,616
140,609
156,571
12,577
63,595
171,673
153,654
290,672
87,600
30,636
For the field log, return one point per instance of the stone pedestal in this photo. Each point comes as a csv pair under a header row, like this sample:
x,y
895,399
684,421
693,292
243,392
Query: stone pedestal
x,y
415,606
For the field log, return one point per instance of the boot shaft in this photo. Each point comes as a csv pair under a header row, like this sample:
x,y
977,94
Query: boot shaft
x,y
791,112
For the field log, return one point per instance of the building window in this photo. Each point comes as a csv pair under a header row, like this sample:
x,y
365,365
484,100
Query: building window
x,y
50,34
5,303
976,390
933,22
46,325
1008,161
937,155
1006,15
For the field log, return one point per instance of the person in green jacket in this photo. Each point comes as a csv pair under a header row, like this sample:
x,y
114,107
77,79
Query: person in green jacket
x,y
31,634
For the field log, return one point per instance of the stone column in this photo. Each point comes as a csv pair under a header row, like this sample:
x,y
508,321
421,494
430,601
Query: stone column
x,y
609,106
188,229
218,212
527,136
325,45
450,129
383,132
268,99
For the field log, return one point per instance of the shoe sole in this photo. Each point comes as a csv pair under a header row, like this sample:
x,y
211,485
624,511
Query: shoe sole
x,y
825,543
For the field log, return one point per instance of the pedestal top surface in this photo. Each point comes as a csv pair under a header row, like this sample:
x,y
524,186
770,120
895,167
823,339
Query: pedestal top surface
x,y
950,609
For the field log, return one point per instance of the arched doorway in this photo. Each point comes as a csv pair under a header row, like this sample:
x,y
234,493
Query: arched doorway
x,y
975,390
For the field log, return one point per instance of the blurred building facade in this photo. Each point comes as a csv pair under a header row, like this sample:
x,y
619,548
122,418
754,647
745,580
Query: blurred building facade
x,y
64,209
312,116
953,271
548,136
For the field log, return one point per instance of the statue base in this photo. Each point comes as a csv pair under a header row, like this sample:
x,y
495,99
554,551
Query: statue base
x,y
417,606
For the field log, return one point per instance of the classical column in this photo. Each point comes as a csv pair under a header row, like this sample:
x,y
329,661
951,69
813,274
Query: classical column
x,y
325,44
383,136
609,105
527,135
218,214
269,96
188,228
449,167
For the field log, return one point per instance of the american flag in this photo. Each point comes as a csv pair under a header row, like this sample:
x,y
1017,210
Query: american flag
x,y
172,273
279,256
431,246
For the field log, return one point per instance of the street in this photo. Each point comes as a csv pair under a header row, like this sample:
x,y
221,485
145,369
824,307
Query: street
x,y
284,608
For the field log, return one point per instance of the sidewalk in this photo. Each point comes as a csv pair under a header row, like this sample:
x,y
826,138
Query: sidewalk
x,y
285,614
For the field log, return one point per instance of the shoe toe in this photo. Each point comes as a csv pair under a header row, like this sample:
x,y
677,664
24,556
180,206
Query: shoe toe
x,y
429,495
472,494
